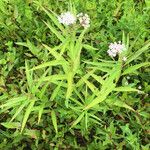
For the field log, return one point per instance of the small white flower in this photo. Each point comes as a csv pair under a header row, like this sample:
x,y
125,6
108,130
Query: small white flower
x,y
84,20
67,18
124,58
140,92
116,48
80,15
128,77
111,53
139,87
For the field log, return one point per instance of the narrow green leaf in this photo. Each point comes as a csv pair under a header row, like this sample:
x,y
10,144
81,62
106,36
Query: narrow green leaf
x,y
54,78
12,101
77,91
27,113
70,85
78,120
53,17
125,89
91,86
40,112
101,97
100,64
3,97
89,47
107,87
35,88
138,53
95,117
11,125
123,38
58,34
80,38
48,64
28,76
97,78
135,67
86,76
33,48
22,44
54,120
76,101
103,69
56,91
127,42
19,110
118,103
43,90
86,120
53,51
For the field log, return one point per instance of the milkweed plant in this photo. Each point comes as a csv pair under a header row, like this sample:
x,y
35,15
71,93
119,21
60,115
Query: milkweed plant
x,y
71,88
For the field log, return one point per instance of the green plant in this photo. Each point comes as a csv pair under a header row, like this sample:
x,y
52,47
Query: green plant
x,y
69,96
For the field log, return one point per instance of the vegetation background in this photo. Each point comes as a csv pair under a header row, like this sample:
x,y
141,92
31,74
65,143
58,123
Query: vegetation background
x,y
43,107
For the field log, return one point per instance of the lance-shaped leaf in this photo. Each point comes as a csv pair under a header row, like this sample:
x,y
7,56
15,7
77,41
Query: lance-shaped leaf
x,y
138,53
107,87
27,113
78,120
47,64
102,96
18,110
118,103
14,101
54,120
135,67
11,125
69,87
57,33
53,17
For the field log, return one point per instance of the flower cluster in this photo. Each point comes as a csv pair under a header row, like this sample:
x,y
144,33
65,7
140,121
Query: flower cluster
x,y
115,48
68,18
84,20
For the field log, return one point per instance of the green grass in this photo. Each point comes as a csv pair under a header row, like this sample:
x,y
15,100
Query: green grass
x,y
59,89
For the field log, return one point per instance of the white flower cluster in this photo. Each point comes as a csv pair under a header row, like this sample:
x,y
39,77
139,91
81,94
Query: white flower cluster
x,y
68,18
84,20
116,48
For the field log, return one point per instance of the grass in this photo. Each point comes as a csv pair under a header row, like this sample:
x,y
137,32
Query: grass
x,y
59,89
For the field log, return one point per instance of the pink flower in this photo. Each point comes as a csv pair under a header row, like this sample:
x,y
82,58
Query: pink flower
x,y
115,48
84,20
67,18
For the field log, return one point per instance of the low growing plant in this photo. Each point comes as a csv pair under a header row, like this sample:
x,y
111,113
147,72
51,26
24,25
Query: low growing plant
x,y
73,92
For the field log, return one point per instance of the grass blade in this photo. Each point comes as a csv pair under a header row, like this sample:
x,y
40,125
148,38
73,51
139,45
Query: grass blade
x,y
119,103
125,89
11,125
56,91
40,112
28,76
19,110
70,85
12,101
48,64
102,96
52,16
77,120
27,113
135,67
138,53
54,120
59,36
